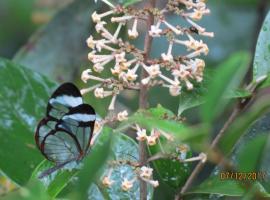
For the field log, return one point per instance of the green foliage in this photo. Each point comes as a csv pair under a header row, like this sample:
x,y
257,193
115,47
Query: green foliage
x,y
215,185
262,55
32,191
239,127
195,97
229,188
92,165
227,78
23,96
257,150
163,119
171,171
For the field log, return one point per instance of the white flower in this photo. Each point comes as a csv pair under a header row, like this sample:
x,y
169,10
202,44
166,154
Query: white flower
x,y
120,57
151,182
203,157
133,33
154,70
99,92
112,104
168,56
107,182
97,17
100,26
121,116
141,134
86,76
175,90
189,85
146,172
127,185
122,19
151,140
173,28
98,67
90,42
146,80
155,31
131,75
116,70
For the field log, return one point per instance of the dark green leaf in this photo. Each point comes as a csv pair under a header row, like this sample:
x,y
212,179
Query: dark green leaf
x,y
221,186
23,96
215,185
32,191
195,97
171,171
163,119
256,149
262,55
239,127
92,165
227,77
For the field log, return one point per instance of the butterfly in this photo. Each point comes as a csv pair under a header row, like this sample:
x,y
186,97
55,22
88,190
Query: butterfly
x,y
65,133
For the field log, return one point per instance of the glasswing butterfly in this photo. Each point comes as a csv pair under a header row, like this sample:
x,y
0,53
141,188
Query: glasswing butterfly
x,y
65,133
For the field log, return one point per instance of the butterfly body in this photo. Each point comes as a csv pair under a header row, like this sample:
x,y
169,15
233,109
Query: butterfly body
x,y
65,133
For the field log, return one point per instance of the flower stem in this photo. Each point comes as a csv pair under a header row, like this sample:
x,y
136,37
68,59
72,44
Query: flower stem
x,y
143,103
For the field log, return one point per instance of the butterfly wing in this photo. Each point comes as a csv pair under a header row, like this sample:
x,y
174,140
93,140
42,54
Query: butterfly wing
x,y
62,100
70,140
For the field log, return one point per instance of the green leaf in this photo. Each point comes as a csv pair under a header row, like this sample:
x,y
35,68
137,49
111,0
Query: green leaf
x,y
60,181
239,127
163,119
257,149
23,96
262,54
238,93
228,77
195,97
190,99
170,171
220,186
32,191
215,185
92,165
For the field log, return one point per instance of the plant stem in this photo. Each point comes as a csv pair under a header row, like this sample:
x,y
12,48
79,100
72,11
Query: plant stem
x,y
143,103
214,143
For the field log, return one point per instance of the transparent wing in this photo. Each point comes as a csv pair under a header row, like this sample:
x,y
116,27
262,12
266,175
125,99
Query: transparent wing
x,y
44,127
80,121
61,146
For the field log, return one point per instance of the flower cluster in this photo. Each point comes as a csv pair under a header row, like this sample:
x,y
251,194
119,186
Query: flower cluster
x,y
142,173
127,60
117,63
153,137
